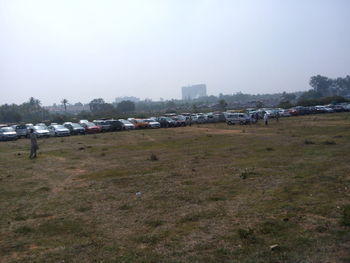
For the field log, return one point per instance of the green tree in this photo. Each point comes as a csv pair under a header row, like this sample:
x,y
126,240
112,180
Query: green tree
x,y
285,104
259,105
223,104
64,102
321,85
126,106
170,105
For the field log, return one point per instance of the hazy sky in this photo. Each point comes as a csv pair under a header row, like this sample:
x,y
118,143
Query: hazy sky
x,y
81,50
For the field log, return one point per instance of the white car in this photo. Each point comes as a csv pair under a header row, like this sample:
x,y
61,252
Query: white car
x,y
7,133
58,130
41,131
152,123
284,113
127,124
237,118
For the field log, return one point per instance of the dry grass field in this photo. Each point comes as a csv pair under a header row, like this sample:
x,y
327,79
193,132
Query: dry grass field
x,y
208,193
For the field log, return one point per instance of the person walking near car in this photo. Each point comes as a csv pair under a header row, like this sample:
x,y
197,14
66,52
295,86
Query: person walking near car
x,y
256,115
266,119
277,117
33,144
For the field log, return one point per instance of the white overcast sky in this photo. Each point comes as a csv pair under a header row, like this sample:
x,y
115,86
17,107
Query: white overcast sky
x,y
81,50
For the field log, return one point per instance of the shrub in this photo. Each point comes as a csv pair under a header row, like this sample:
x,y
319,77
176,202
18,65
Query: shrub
x,y
346,216
153,157
329,142
308,142
24,230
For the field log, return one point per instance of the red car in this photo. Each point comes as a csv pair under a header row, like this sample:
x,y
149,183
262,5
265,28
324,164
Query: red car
x,y
91,127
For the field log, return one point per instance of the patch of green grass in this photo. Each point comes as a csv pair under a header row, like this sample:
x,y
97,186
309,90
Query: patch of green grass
x,y
125,207
329,142
154,223
306,141
84,208
345,220
62,226
150,239
24,230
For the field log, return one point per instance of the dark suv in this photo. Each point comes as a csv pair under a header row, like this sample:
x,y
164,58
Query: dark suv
x,y
74,128
115,125
166,122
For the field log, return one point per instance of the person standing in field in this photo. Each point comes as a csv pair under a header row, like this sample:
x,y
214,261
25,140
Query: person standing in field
x,y
33,144
266,118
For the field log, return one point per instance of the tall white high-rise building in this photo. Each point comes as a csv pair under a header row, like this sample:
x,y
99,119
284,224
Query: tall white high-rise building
x,y
194,91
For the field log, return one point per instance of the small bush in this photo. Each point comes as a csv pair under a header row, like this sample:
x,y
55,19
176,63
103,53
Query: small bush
x,y
191,218
269,149
216,198
272,227
346,216
154,223
308,142
149,239
246,235
247,173
124,207
153,157
24,230
20,218
83,209
328,142
44,189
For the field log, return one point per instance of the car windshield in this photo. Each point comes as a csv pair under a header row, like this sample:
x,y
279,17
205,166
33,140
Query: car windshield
x,y
90,124
75,125
126,122
59,126
39,128
21,127
7,129
169,119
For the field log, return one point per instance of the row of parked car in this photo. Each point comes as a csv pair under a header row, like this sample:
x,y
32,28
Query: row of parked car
x,y
13,132
249,116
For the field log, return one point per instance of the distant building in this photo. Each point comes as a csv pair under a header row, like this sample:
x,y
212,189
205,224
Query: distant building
x,y
73,109
194,92
120,99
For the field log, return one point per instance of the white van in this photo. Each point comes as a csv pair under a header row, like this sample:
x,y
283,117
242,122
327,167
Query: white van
x,y
237,118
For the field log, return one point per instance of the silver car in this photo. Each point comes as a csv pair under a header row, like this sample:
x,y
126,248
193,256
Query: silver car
x,y
21,130
41,131
127,124
237,118
152,123
58,130
7,134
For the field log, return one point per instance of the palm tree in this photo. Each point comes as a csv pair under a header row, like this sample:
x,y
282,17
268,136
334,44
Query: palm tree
x,y
64,102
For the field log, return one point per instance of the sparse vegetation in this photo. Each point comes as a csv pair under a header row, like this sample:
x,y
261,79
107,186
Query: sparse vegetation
x,y
217,198
153,157
308,142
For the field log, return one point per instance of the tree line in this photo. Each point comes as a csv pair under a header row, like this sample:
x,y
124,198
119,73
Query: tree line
x,y
323,90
